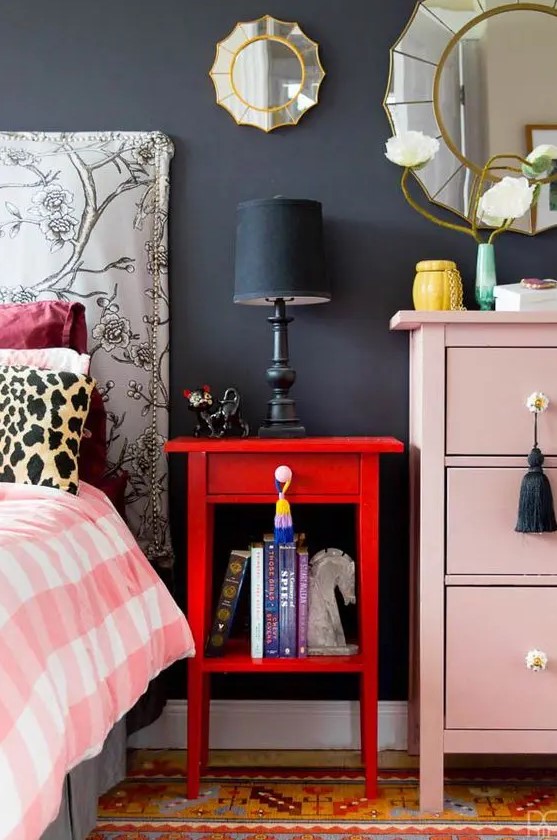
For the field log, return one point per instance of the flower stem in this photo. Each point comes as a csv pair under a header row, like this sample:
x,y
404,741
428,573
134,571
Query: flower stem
x,y
426,214
505,226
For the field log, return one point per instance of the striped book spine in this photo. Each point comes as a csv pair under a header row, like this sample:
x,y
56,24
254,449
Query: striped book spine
x,y
257,600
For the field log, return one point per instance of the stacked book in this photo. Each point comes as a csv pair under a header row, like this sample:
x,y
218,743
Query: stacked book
x,y
278,599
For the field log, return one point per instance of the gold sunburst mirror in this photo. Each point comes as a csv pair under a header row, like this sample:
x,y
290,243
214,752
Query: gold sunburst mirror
x,y
480,76
267,73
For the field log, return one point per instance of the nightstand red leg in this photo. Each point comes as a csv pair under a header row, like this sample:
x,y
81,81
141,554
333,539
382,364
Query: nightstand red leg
x,y
362,699
367,571
368,729
195,717
200,525
206,697
205,720
363,715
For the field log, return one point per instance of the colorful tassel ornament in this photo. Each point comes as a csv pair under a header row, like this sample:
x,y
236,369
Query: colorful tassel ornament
x,y
284,528
536,514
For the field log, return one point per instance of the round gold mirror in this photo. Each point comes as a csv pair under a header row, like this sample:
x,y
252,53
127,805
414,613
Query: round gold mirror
x,y
479,76
267,73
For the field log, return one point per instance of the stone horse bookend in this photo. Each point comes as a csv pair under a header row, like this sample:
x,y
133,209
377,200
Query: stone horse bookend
x,y
328,570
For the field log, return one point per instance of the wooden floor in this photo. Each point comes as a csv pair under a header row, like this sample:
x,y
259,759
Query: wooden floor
x,y
388,759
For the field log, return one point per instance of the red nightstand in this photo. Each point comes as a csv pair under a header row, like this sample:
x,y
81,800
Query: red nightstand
x,y
328,470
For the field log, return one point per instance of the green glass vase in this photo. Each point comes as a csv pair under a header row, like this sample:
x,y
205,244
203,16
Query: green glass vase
x,y
486,276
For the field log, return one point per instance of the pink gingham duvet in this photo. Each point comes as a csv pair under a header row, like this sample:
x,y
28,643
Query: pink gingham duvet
x,y
85,624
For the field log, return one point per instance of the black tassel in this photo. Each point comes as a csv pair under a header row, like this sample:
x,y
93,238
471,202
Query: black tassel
x,y
535,506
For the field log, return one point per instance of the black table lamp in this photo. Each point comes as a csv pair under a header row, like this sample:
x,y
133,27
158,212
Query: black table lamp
x,y
280,260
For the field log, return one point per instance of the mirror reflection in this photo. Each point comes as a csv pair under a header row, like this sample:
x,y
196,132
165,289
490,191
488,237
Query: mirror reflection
x,y
479,75
486,98
267,74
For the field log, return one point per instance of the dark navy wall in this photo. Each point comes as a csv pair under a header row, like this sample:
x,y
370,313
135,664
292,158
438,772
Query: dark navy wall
x,y
143,64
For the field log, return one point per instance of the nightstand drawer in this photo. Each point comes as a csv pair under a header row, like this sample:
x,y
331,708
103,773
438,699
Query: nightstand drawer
x,y
490,631
487,389
320,474
482,506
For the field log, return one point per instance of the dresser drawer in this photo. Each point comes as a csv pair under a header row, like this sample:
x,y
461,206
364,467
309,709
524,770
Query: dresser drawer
x,y
320,474
482,506
487,388
489,633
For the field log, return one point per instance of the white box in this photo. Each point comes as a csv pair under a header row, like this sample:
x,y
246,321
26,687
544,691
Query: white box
x,y
516,298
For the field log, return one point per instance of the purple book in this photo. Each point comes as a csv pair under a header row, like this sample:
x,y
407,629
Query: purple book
x,y
303,573
288,592
271,604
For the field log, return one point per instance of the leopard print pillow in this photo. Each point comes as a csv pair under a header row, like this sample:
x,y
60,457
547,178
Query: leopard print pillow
x,y
42,414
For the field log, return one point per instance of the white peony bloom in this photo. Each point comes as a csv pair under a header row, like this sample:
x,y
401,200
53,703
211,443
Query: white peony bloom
x,y
490,221
411,149
510,198
543,150
541,160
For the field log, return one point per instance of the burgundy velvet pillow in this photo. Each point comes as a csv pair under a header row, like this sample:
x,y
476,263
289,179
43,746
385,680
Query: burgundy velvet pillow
x,y
92,451
45,323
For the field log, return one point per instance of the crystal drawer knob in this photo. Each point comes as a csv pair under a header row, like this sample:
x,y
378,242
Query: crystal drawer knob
x,y
536,660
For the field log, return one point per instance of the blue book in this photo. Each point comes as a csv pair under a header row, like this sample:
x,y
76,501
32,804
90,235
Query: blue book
x,y
288,592
271,617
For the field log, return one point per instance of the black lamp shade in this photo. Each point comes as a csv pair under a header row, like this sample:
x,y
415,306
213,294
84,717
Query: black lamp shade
x,y
279,252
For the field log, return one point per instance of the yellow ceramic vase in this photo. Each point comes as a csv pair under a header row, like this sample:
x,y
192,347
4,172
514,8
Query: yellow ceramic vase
x,y
437,285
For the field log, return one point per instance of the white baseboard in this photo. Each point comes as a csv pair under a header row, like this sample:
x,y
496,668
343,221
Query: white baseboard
x,y
277,724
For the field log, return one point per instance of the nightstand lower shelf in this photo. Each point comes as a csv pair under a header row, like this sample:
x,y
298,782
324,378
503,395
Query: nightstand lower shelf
x,y
237,659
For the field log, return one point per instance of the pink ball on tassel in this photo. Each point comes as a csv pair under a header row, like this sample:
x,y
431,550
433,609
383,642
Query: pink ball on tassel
x,y
283,474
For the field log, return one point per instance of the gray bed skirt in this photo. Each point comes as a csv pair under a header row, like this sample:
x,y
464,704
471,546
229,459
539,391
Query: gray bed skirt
x,y
83,786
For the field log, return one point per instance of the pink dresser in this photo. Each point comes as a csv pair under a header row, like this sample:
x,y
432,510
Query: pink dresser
x,y
483,596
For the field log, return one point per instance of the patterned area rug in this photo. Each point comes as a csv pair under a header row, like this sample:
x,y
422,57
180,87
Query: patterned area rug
x,y
321,805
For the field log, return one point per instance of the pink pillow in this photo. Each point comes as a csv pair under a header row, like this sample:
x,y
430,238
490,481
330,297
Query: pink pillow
x,y
45,323
48,358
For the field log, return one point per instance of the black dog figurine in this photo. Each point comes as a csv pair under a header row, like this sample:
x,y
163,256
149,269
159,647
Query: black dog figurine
x,y
217,419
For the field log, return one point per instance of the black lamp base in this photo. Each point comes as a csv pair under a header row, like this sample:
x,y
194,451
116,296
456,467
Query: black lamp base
x,y
279,430
282,420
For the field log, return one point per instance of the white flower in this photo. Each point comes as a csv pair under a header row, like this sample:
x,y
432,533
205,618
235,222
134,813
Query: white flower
x,y
53,200
112,331
543,150
490,221
537,402
536,660
510,198
59,227
411,148
541,161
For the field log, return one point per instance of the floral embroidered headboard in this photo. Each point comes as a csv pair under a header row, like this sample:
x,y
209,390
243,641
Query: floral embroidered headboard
x,y
83,216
